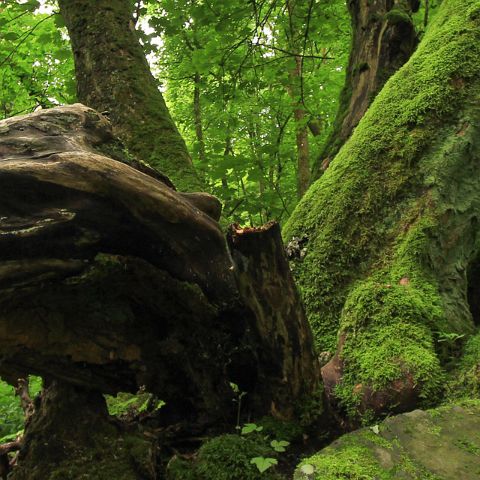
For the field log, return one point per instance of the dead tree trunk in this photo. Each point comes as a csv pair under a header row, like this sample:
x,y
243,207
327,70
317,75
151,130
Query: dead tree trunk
x,y
113,75
110,280
383,39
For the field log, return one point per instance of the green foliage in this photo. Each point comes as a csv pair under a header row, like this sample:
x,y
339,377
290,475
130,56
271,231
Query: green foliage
x,y
11,414
237,58
228,457
35,59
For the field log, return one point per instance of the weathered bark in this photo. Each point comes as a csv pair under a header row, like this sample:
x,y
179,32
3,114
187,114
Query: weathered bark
x,y
383,39
391,237
72,437
111,280
113,75
265,282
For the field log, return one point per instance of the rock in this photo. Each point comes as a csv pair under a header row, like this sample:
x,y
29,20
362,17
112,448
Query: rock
x,y
438,444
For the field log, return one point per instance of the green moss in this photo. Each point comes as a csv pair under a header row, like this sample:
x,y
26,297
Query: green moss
x,y
226,457
108,457
390,224
397,15
401,447
465,378
351,457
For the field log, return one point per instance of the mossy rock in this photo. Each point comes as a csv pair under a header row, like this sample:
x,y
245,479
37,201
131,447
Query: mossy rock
x,y
439,444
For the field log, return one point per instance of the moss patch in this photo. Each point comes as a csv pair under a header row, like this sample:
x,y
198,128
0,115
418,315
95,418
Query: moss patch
x,y
227,457
465,378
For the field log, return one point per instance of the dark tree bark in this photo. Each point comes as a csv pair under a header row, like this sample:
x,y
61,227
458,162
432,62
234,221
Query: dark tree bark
x,y
383,39
279,319
110,280
113,75
71,436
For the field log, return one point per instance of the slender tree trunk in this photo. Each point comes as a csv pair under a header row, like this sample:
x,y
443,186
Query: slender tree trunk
x,y
113,75
257,158
301,137
383,39
296,94
197,117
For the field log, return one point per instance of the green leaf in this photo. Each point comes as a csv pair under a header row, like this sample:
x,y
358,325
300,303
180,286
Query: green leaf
x,y
44,38
59,21
11,36
263,463
279,445
30,6
251,427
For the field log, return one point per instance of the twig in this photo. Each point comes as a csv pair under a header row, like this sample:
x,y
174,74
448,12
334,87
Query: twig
x,y
20,43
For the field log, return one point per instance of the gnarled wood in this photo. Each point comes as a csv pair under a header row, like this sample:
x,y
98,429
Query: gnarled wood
x,y
110,279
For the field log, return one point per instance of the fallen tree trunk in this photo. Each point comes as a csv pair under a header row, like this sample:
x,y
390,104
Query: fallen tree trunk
x,y
111,280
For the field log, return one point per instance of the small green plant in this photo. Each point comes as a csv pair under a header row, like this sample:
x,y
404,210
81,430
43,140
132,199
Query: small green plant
x,y
238,400
264,463
449,337
251,427
131,405
279,445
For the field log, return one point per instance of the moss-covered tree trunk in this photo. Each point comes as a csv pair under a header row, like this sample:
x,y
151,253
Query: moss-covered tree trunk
x,y
113,75
383,39
392,227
